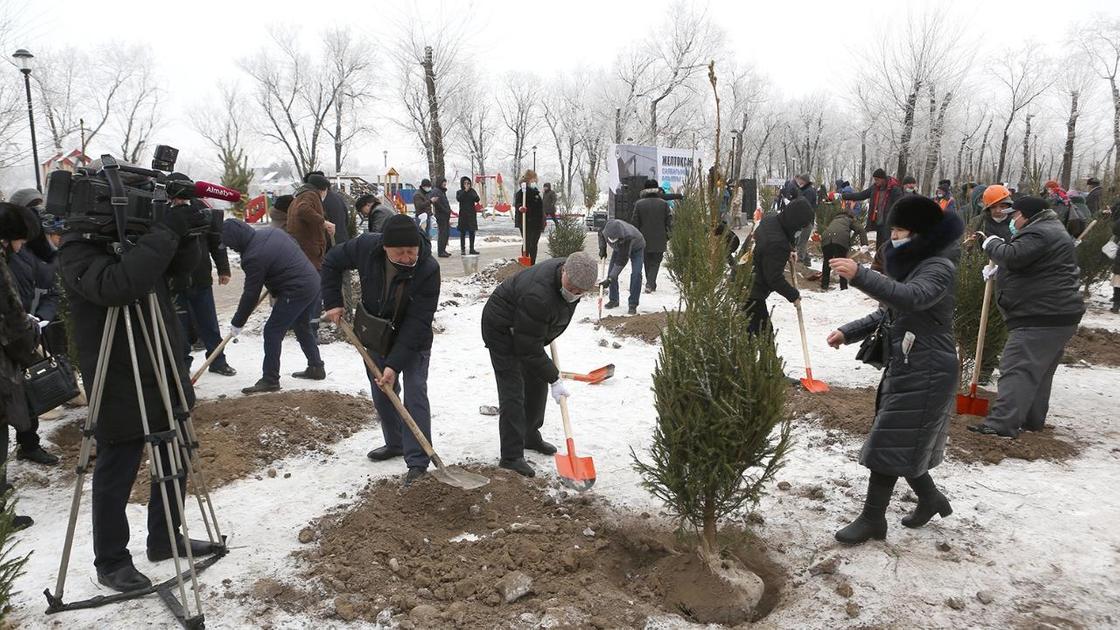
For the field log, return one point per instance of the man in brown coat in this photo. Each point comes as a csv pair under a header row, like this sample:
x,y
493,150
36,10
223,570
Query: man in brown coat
x,y
307,221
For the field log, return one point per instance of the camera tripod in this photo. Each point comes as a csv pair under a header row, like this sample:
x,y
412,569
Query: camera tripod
x,y
180,442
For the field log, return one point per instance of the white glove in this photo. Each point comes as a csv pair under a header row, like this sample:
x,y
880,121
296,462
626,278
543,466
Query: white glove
x,y
989,240
43,325
989,272
234,331
559,391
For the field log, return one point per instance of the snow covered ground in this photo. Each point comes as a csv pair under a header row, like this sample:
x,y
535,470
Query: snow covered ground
x,y
1039,537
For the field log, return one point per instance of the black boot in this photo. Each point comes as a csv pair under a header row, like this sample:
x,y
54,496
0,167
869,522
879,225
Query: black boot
x,y
413,475
542,447
382,453
930,502
313,373
872,522
199,548
37,455
1115,300
223,370
519,466
124,579
261,386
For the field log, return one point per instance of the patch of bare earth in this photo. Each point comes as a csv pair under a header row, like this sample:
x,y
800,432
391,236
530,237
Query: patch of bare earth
x,y
1095,346
851,411
514,553
647,326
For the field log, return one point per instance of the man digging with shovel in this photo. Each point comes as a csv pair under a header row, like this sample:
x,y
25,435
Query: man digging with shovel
x,y
400,289
523,316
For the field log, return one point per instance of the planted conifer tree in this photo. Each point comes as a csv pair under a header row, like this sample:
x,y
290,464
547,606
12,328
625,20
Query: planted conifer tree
x,y
11,565
567,237
721,432
966,317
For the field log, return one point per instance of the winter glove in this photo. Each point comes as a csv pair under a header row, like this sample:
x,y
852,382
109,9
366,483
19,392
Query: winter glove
x,y
605,283
43,325
234,331
989,272
559,391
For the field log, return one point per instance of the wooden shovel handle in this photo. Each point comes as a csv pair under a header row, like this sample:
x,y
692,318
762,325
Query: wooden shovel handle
x,y
801,324
348,331
222,346
983,330
563,399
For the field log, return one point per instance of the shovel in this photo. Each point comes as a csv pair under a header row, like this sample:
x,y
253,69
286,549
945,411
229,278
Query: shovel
x,y
450,475
809,383
602,272
970,404
1085,233
222,346
524,260
594,376
577,473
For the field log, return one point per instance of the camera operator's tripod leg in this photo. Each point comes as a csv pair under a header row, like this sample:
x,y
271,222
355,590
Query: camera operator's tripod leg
x,y
155,464
108,331
188,439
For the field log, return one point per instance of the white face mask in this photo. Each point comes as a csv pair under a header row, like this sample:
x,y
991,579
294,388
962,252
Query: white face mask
x,y
896,243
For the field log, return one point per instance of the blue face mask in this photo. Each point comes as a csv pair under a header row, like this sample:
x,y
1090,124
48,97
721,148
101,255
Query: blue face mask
x,y
896,243
1014,230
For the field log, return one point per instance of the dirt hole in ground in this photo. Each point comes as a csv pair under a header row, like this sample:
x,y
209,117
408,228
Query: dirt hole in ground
x,y
647,326
852,410
243,436
515,553
1095,346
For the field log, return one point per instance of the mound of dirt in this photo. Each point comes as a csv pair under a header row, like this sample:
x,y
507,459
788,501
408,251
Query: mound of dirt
x,y
514,553
497,272
852,410
1095,346
807,277
242,436
647,326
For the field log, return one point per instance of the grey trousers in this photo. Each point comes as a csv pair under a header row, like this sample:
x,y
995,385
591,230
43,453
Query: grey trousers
x,y
1026,372
803,246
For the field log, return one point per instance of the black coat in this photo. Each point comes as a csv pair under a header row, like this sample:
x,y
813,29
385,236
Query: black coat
x,y
18,339
95,279
1038,282
468,216
841,229
334,206
211,247
35,280
1116,237
525,314
535,207
421,203
773,242
377,218
441,205
1093,200
421,293
984,222
916,392
272,259
653,220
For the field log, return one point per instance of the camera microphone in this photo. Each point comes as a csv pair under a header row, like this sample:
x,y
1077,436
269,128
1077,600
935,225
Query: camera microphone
x,y
206,190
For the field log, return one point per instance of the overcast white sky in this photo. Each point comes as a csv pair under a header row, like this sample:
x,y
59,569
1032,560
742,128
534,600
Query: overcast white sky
x,y
803,46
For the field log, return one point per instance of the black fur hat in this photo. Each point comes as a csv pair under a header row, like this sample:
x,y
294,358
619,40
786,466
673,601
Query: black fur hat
x,y
916,213
17,222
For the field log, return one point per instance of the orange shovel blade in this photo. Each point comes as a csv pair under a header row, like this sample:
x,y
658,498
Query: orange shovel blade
x,y
577,473
812,385
595,376
524,261
972,405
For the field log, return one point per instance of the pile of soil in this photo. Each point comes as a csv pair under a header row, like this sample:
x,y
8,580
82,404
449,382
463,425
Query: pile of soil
x,y
852,410
807,278
499,271
514,553
647,326
243,436
1095,346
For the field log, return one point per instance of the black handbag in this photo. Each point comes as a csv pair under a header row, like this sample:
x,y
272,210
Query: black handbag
x,y
875,349
49,383
378,333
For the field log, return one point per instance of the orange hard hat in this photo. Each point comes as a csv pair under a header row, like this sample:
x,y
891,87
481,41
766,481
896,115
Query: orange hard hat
x,y
994,194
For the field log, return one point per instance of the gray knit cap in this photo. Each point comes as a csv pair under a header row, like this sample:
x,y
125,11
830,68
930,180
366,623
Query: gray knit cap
x,y
582,270
26,196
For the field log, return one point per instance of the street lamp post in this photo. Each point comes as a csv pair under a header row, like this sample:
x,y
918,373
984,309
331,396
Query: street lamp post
x,y
385,158
23,57
534,158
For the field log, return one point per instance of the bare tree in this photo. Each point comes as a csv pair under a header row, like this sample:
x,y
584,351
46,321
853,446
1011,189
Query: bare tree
x,y
1101,39
966,137
478,125
934,137
564,110
1024,77
351,67
138,112
518,106
1074,83
223,127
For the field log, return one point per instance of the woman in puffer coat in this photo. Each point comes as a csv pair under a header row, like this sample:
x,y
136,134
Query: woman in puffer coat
x,y
917,297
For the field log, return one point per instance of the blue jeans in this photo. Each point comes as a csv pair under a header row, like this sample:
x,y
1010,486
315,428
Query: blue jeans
x,y
197,304
396,434
289,314
636,261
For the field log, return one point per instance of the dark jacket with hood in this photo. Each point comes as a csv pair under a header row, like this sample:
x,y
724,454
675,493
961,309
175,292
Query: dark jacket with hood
x,y
653,220
626,239
808,193
334,208
525,314
95,280
918,295
210,247
271,260
882,200
773,242
548,201
18,340
420,293
441,205
840,229
1116,237
1093,200
535,206
468,216
1039,282
378,216
36,282
421,203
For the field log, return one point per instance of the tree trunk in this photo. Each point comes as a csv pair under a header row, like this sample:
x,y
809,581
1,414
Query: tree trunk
x,y
1025,173
907,131
936,132
983,149
862,157
435,161
338,136
708,541
1003,149
1071,136
1115,131
618,125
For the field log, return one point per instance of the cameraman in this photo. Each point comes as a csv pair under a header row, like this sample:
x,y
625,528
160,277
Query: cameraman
x,y
96,278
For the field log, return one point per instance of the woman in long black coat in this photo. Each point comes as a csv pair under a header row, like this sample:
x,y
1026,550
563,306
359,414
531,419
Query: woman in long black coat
x,y
468,216
915,395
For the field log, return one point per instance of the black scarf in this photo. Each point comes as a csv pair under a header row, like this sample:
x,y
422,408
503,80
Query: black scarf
x,y
902,260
